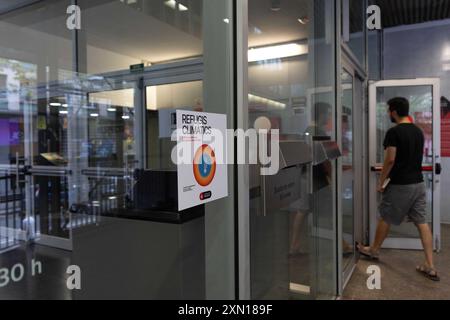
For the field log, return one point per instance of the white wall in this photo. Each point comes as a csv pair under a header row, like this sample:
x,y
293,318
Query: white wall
x,y
422,51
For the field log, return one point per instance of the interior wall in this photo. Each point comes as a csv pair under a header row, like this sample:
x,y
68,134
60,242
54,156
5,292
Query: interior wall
x,y
285,82
422,51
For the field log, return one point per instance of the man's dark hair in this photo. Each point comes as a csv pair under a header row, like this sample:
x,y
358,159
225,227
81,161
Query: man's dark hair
x,y
401,105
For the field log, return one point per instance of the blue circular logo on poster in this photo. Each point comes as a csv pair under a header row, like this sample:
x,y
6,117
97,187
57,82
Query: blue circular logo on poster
x,y
204,165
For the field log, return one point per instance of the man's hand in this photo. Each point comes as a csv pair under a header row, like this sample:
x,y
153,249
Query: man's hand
x,y
380,188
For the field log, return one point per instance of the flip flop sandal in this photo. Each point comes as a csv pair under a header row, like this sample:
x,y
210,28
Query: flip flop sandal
x,y
428,273
366,253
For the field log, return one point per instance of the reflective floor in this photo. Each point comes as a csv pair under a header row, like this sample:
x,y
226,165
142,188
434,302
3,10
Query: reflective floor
x,y
49,285
399,280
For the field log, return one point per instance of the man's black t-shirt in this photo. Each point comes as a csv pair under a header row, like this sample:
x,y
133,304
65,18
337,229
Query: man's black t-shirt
x,y
409,141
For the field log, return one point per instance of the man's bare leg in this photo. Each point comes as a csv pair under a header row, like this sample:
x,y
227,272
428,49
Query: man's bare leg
x,y
296,236
427,241
381,235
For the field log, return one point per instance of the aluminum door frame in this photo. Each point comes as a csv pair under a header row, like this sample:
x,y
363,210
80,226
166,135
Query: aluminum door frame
x,y
403,243
347,271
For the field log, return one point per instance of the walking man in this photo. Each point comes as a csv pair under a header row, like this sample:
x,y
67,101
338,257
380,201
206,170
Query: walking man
x,y
402,185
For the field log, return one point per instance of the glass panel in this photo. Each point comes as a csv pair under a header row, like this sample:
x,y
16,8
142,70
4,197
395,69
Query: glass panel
x,y
74,108
51,202
111,129
421,111
357,28
157,31
162,103
348,170
291,77
16,80
36,54
324,202
12,209
50,129
374,55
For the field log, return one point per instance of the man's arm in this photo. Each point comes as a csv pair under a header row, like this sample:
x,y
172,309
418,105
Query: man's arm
x,y
389,160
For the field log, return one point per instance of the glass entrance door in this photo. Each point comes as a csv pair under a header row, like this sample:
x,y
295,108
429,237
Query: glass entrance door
x,y
79,155
110,152
350,166
347,170
424,97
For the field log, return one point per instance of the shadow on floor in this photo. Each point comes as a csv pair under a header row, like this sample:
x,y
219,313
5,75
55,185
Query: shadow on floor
x,y
399,280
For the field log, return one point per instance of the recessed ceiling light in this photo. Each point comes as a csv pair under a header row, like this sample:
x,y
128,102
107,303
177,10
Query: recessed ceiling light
x,y
63,112
125,117
257,30
112,109
55,104
182,7
269,102
303,20
171,4
94,115
275,5
65,105
277,52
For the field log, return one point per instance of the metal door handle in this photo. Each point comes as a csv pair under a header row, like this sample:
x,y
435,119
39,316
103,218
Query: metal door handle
x,y
438,169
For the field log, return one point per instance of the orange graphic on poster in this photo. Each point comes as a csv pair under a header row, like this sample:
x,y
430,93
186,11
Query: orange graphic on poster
x,y
204,165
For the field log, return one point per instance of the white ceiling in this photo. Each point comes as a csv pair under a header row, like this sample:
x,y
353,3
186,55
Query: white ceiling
x,y
124,30
151,31
7,5
268,27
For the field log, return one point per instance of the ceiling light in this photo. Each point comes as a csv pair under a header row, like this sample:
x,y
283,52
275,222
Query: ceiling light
x,y
94,115
446,54
272,103
303,20
55,104
171,4
182,7
112,109
125,117
65,105
277,52
63,112
256,30
275,5
95,78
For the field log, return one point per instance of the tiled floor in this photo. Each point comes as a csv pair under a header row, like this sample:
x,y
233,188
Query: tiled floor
x,y
399,280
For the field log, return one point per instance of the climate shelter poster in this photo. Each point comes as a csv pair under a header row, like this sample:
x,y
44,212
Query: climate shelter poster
x,y
201,158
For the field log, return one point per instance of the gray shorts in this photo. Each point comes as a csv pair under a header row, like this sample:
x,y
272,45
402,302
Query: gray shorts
x,y
404,201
